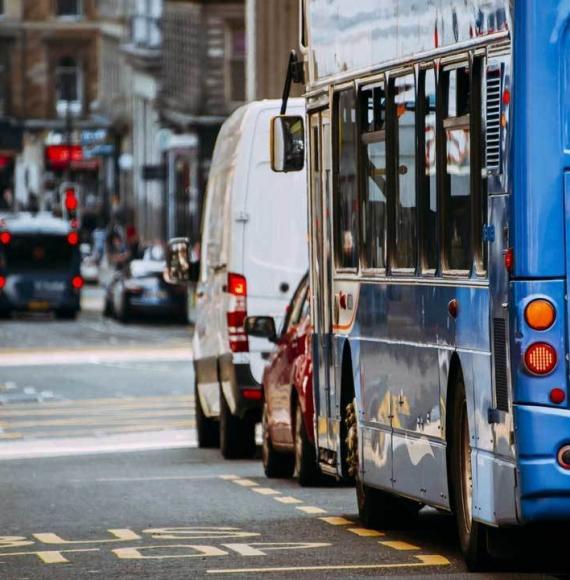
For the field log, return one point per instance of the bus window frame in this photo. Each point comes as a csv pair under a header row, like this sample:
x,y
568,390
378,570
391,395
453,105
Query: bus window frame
x,y
366,138
336,90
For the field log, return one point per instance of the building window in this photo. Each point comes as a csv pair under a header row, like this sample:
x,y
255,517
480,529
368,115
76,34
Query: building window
x,y
235,62
346,187
69,8
145,26
68,87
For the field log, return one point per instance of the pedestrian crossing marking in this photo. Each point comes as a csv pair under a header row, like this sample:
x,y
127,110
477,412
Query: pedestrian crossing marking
x,y
366,533
336,521
309,509
287,499
398,545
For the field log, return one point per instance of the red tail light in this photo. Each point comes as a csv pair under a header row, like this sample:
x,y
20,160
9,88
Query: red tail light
x,y
509,259
73,238
77,282
2,282
540,358
252,394
237,313
5,238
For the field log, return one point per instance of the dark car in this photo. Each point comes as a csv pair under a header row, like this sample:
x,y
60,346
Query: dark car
x,y
39,265
139,289
288,412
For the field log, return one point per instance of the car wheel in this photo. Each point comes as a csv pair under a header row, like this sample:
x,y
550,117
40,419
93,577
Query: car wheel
x,y
278,465
376,508
124,314
107,308
208,429
237,435
472,534
306,469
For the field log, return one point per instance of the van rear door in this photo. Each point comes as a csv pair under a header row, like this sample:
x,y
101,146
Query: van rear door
x,y
275,253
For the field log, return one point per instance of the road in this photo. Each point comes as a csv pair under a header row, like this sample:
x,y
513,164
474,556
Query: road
x,y
101,477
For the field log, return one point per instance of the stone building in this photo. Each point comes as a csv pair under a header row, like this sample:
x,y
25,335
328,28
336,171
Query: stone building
x,y
48,94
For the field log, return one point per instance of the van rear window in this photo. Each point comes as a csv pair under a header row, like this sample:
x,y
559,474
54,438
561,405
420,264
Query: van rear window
x,y
38,253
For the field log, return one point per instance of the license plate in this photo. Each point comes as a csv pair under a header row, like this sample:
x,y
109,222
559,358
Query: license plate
x,y
38,306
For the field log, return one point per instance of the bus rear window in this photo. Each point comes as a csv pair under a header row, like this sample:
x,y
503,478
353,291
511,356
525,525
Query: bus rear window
x,y
33,253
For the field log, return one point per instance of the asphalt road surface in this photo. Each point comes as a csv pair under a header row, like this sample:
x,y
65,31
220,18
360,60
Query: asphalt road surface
x,y
100,476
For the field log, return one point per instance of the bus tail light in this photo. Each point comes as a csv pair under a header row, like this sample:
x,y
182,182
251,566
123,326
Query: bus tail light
x,y
540,358
237,313
540,314
77,282
509,259
564,457
5,238
557,396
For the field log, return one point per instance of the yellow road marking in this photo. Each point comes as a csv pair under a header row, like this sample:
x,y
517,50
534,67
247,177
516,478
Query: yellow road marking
x,y
266,491
403,546
246,482
287,499
121,535
366,533
309,509
51,556
336,521
424,562
229,477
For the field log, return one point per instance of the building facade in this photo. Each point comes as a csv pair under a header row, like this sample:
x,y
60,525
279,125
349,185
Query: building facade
x,y
49,97
202,82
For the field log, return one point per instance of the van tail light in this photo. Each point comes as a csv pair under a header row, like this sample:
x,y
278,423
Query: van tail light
x,y
5,238
77,282
237,313
540,358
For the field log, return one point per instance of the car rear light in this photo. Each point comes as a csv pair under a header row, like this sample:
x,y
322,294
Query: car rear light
x,y
252,394
5,238
540,358
77,282
2,282
540,314
73,238
237,313
557,396
564,457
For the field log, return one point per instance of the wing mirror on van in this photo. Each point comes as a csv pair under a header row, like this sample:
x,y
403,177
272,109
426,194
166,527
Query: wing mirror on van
x,y
180,267
261,327
287,144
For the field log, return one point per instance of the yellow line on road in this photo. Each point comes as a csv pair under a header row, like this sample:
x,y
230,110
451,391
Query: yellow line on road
x,y
403,546
336,521
229,477
425,561
246,482
266,491
309,509
366,533
287,499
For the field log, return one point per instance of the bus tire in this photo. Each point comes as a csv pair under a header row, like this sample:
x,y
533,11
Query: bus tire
x,y
208,429
237,435
275,464
306,469
472,535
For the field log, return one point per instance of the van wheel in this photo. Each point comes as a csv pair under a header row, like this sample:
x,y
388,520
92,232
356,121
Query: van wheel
x,y
306,469
376,508
472,534
237,436
279,465
107,308
208,429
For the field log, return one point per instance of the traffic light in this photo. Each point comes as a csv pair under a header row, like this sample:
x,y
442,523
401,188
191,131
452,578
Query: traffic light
x,y
70,203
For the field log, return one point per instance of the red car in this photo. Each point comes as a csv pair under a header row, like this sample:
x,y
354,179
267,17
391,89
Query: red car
x,y
288,434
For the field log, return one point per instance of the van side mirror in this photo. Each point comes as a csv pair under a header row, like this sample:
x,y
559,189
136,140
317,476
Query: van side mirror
x,y
261,327
287,144
179,265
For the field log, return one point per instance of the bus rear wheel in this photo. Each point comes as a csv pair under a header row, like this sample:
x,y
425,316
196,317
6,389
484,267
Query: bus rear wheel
x,y
472,534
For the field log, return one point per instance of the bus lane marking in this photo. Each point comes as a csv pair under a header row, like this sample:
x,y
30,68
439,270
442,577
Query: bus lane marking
x,y
424,562
136,553
398,545
366,532
310,509
287,499
51,556
121,535
261,548
336,521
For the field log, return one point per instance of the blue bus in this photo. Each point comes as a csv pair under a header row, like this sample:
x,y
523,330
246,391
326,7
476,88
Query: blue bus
x,y
39,265
439,173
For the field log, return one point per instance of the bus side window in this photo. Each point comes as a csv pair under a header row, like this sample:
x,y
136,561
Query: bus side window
x,y
403,90
428,160
374,177
457,176
346,186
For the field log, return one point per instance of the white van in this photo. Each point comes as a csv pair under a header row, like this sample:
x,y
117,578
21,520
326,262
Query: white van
x,y
254,252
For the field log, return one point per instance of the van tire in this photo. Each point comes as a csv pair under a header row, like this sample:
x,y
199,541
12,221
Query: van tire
x,y
306,469
208,429
275,465
237,436
472,535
